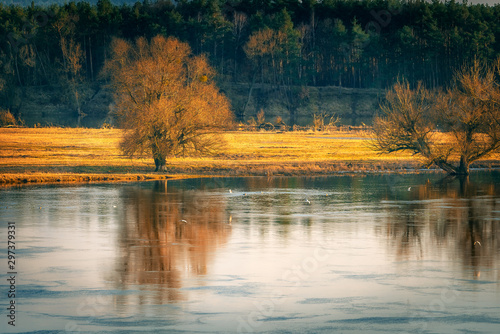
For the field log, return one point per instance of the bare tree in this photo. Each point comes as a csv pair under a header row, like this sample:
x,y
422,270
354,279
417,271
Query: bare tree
x,y
469,112
240,22
73,59
319,118
166,99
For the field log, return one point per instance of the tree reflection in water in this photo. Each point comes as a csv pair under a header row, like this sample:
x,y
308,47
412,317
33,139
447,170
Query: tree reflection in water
x,y
165,238
168,237
453,216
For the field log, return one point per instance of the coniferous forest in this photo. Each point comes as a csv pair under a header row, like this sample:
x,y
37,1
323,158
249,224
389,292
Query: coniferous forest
x,y
352,44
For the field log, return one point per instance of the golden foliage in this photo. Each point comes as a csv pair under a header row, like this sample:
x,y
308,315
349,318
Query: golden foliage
x,y
165,98
6,118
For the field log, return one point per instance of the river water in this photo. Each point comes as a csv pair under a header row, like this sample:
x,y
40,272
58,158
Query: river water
x,y
410,253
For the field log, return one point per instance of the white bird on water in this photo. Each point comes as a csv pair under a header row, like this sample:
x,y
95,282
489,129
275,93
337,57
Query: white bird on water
x,y
307,201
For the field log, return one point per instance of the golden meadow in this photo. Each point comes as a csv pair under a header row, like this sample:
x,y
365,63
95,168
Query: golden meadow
x,y
29,155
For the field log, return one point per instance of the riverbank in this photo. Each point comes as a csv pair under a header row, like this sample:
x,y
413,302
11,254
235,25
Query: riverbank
x,y
33,155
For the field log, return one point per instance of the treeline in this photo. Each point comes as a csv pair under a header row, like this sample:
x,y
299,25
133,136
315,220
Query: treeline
x,y
60,2
360,44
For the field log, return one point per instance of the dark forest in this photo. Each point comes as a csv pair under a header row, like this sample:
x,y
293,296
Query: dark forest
x,y
352,44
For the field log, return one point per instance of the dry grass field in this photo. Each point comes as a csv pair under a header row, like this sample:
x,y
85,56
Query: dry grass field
x,y
64,155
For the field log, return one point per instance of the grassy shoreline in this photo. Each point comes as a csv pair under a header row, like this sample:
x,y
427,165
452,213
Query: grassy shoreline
x,y
60,155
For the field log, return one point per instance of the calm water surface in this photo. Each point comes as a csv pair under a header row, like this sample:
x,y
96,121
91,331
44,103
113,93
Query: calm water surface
x,y
380,253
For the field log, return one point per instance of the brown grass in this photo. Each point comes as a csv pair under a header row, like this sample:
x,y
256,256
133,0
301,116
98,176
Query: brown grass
x,y
75,155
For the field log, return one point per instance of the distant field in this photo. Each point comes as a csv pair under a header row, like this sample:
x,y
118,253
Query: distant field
x,y
63,154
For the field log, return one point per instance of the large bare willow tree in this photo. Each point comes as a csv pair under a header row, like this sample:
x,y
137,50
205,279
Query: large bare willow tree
x,y
165,99
469,112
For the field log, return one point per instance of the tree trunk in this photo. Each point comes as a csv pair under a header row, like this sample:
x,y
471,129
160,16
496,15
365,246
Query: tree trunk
x,y
160,163
447,167
78,109
241,116
463,168
159,158
90,56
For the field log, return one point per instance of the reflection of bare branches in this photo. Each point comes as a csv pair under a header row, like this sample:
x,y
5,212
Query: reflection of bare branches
x,y
455,217
166,237
477,237
405,230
